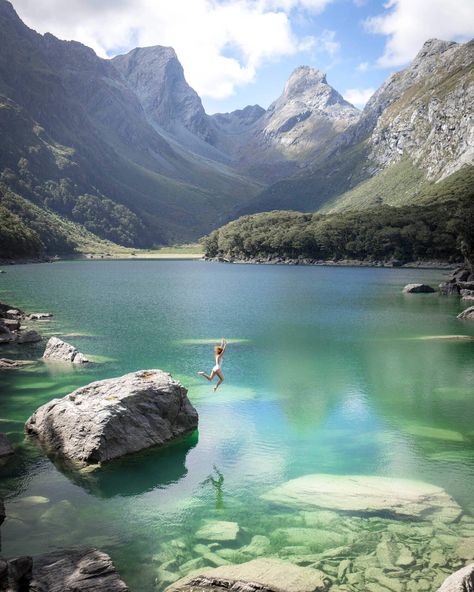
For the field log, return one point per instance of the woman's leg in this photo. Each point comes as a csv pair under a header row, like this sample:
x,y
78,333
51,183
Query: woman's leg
x,y
208,376
221,379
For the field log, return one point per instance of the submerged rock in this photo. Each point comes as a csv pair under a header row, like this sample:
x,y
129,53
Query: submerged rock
x,y
29,337
259,575
218,530
7,364
467,314
367,495
417,289
57,349
110,418
64,571
460,581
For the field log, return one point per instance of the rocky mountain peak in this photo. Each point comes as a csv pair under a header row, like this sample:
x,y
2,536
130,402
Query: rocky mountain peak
x,y
157,78
302,79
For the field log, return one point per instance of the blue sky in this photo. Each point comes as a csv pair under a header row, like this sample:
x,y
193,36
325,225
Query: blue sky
x,y
240,52
355,46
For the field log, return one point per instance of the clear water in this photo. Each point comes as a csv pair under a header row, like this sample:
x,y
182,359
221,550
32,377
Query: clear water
x,y
328,371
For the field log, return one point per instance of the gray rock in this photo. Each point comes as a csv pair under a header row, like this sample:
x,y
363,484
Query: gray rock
x,y
460,581
449,289
468,298
13,313
39,316
57,349
218,530
262,575
15,574
29,337
12,323
417,289
367,495
84,570
110,418
6,336
7,364
467,314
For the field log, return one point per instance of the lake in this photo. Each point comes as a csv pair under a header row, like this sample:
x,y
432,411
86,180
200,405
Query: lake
x,y
329,370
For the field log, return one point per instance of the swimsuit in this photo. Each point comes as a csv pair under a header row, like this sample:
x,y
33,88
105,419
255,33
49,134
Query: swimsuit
x,y
217,365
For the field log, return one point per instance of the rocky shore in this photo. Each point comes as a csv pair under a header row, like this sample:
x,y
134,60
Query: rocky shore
x,y
428,264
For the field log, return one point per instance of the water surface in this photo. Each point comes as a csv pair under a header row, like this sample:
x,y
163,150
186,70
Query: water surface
x,y
329,370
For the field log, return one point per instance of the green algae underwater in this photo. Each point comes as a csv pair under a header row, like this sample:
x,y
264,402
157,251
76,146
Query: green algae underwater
x,y
329,370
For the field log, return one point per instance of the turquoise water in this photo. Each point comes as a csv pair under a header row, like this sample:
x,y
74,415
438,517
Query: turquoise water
x,y
329,370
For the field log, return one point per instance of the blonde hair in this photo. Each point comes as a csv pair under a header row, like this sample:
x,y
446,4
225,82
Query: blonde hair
x,y
218,349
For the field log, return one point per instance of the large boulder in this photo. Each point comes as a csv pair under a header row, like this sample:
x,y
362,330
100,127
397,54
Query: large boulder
x,y
467,314
59,350
417,289
460,581
258,575
367,495
87,570
110,418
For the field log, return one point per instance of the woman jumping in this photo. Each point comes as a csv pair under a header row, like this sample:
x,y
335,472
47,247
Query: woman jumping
x,y
216,371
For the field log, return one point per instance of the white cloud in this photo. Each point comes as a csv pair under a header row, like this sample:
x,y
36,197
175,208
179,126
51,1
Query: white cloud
x,y
409,23
363,67
221,45
358,96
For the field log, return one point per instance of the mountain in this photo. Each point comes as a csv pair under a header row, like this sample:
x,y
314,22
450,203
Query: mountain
x,y
264,145
413,132
76,140
122,150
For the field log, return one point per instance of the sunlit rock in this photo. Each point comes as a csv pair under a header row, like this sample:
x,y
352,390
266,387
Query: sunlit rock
x,y
268,574
218,530
367,495
110,418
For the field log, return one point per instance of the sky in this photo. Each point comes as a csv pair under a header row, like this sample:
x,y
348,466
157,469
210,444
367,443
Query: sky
x,y
241,52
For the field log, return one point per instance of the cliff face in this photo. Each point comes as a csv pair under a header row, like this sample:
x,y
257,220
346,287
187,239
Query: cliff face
x,y
429,112
157,78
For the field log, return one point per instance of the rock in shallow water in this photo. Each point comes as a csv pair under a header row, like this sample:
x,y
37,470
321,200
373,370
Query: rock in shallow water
x,y
417,289
85,570
218,530
110,418
259,575
367,495
467,314
57,349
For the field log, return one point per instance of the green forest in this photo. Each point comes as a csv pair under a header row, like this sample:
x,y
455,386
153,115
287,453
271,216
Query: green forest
x,y
442,230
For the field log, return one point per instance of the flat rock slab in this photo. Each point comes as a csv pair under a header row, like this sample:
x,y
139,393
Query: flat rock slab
x,y
110,418
417,289
85,570
218,530
259,575
59,350
460,581
467,314
7,364
367,495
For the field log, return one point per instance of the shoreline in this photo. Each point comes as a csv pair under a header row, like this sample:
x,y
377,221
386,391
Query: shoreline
x,y
426,264
422,264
